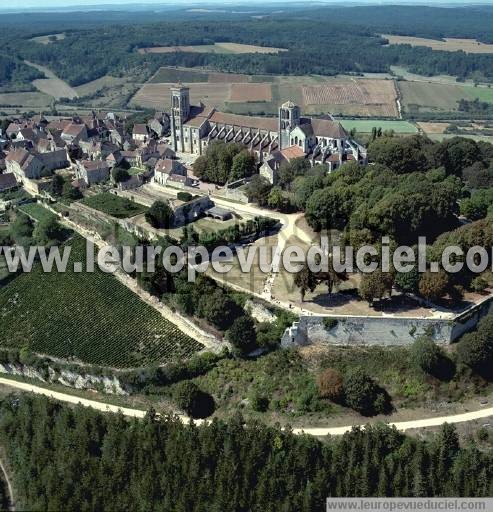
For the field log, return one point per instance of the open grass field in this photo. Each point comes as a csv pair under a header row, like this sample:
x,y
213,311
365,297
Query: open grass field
x,y
115,206
88,317
448,44
47,39
234,48
36,211
366,126
244,94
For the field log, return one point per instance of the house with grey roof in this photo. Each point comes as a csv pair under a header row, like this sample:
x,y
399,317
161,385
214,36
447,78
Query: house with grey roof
x,y
8,182
92,171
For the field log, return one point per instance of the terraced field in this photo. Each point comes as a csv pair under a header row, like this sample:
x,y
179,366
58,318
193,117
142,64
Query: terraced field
x,y
87,317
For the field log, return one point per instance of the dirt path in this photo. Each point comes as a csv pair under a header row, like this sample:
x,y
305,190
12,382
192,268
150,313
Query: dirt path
x,y
9,487
317,431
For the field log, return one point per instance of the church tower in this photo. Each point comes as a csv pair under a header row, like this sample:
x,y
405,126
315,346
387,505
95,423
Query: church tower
x,y
289,118
180,112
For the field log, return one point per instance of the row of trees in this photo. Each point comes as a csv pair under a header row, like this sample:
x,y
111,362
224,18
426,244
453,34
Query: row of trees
x,y
71,458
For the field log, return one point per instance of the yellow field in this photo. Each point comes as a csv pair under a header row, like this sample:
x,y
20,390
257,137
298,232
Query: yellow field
x,y
433,127
448,44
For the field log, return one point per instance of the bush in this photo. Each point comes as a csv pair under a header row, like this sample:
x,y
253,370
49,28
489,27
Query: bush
x,y
479,284
363,395
258,402
120,175
191,399
159,215
242,335
431,359
330,384
330,323
184,196
475,350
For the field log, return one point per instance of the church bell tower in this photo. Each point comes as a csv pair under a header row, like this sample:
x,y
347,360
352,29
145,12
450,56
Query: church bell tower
x,y
180,112
289,118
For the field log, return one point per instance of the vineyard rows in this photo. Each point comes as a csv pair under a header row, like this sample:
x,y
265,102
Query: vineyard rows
x,y
88,317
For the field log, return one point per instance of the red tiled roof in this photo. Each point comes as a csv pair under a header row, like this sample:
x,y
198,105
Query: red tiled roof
x,y
293,152
73,129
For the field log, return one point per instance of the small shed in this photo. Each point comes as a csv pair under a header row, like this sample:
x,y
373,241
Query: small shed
x,y
218,213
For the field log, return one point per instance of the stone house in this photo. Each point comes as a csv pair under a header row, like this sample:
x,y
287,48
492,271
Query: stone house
x,y
165,168
191,210
73,133
140,133
92,171
24,164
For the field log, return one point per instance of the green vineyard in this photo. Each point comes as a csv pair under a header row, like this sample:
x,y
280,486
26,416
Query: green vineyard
x,y
87,317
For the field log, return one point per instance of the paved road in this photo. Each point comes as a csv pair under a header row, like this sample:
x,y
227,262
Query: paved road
x,y
318,431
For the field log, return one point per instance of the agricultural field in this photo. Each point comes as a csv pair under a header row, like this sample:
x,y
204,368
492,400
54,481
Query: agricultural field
x,y
369,97
233,48
103,83
87,317
366,126
113,205
25,100
427,96
433,128
36,211
244,94
251,92
447,44
52,85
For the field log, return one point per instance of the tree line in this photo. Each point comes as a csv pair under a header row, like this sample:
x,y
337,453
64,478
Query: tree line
x,y
75,458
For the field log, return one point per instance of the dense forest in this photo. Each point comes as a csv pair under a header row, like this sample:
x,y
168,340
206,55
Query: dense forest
x,y
88,52
65,458
15,75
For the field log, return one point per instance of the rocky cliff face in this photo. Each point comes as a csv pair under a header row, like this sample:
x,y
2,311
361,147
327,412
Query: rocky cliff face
x,y
110,385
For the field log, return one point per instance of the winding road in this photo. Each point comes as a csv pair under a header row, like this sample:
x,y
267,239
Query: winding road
x,y
314,431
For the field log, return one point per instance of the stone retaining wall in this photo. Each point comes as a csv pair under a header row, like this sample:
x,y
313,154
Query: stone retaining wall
x,y
345,330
